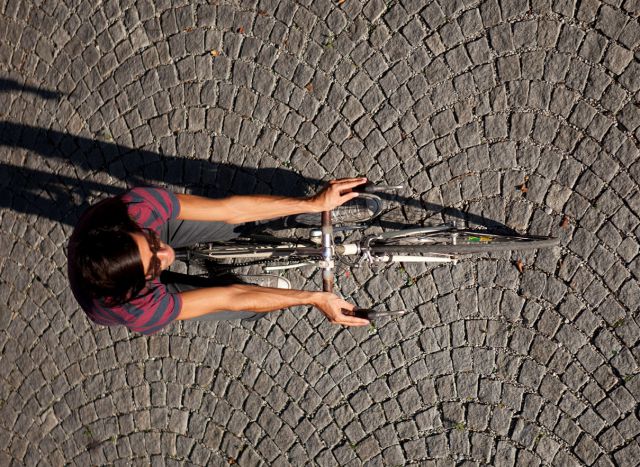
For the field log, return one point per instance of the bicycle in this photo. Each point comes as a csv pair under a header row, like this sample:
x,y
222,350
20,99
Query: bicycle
x,y
443,243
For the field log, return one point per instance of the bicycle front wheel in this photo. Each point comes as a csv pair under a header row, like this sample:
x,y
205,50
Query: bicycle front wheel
x,y
461,242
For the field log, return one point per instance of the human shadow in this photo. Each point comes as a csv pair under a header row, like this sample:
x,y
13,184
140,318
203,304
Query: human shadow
x,y
76,168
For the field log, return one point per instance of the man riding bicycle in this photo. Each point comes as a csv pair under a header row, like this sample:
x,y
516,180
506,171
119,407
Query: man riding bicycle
x,y
121,246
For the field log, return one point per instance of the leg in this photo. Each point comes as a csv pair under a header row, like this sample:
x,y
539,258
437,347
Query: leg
x,y
179,233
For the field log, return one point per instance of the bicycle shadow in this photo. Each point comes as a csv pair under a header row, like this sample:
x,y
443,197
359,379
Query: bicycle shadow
x,y
74,169
58,195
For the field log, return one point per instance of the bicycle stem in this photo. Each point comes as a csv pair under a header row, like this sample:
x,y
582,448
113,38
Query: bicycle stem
x,y
327,252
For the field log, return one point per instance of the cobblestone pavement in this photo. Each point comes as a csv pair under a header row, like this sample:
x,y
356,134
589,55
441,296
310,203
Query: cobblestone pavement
x,y
521,113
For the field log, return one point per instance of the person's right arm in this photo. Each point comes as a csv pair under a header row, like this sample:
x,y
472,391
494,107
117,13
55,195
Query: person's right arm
x,y
249,208
242,297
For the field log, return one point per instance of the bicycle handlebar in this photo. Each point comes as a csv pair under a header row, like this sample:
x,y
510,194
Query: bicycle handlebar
x,y
328,278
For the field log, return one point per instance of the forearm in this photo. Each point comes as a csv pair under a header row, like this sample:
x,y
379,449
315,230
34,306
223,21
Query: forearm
x,y
240,209
241,297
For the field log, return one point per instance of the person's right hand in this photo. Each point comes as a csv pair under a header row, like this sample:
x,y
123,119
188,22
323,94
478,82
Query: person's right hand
x,y
334,309
335,193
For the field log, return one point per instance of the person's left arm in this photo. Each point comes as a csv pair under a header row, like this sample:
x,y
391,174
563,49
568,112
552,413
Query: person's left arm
x,y
239,209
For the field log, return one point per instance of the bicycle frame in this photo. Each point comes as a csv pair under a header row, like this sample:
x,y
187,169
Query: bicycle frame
x,y
329,249
434,244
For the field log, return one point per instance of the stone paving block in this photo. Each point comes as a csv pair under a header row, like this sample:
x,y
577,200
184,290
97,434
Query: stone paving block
x,y
613,99
501,38
628,249
509,68
629,427
628,454
597,82
593,47
611,21
617,58
577,75
556,67
545,129
611,439
495,126
629,34
629,78
630,117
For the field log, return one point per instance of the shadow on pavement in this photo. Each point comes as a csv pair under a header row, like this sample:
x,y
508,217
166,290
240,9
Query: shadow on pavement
x,y
8,85
60,191
58,186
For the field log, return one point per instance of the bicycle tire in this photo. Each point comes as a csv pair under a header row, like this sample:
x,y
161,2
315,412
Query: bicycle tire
x,y
232,254
467,244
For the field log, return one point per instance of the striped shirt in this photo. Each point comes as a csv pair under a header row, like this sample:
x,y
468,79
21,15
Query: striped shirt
x,y
154,307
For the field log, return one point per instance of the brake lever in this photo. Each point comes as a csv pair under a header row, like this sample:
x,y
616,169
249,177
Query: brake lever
x,y
371,188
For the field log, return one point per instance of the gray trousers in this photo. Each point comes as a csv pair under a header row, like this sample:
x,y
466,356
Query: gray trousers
x,y
179,234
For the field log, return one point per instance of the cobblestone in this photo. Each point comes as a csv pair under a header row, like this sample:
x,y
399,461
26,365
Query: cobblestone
x,y
503,112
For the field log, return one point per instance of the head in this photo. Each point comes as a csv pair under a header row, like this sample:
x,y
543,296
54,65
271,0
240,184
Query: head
x,y
115,259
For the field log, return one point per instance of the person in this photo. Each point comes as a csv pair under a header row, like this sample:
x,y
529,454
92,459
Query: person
x,y
121,247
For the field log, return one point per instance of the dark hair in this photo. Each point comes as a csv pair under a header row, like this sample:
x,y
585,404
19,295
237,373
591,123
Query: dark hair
x,y
109,263
104,259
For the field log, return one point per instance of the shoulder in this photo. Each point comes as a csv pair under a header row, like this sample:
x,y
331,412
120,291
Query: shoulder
x,y
158,198
150,206
154,308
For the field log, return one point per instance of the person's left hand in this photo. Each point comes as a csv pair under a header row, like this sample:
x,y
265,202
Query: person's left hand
x,y
337,310
336,193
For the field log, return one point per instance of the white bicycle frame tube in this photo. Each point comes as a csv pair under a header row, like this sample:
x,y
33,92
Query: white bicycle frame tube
x,y
346,249
351,249
416,259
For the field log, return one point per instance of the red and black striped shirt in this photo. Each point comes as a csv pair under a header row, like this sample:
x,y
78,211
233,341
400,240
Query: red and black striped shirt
x,y
154,307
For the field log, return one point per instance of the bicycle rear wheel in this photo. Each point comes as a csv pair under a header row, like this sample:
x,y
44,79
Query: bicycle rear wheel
x,y
245,253
461,242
